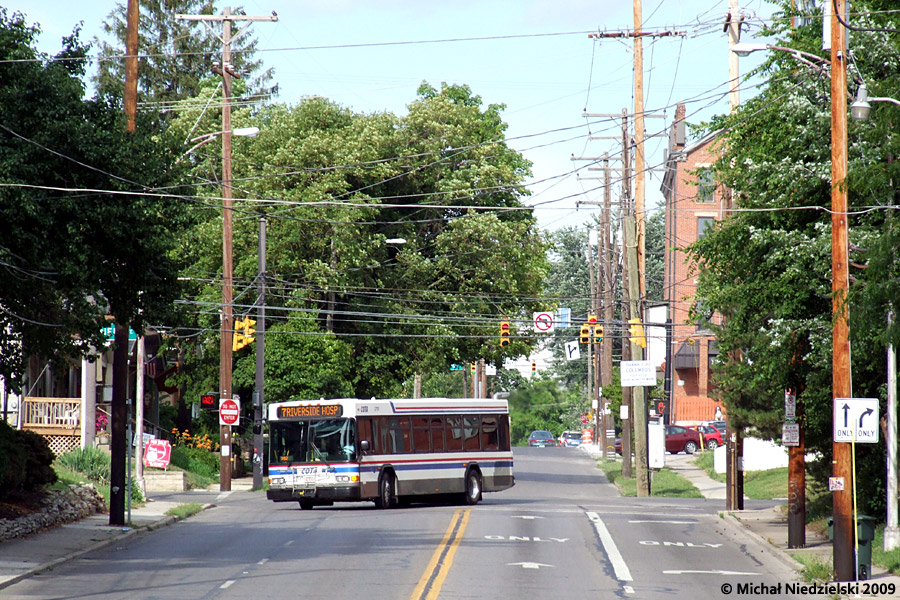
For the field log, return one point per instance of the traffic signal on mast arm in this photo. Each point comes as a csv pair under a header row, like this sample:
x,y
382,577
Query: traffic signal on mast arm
x,y
533,367
585,334
504,334
598,334
637,332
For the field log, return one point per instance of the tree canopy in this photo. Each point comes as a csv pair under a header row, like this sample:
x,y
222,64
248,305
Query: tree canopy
x,y
767,268
335,186
84,231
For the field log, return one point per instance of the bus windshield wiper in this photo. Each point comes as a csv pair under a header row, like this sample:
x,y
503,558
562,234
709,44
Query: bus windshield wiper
x,y
320,453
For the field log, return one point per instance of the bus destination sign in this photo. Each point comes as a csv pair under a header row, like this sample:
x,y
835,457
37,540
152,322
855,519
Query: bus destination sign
x,y
310,411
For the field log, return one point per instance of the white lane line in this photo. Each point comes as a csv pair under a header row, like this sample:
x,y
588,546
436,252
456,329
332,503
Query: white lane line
x,y
263,561
609,546
227,584
666,522
288,543
628,589
222,496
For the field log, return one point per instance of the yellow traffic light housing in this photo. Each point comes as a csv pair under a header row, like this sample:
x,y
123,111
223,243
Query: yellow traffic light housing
x,y
598,334
243,334
637,332
585,334
592,319
504,334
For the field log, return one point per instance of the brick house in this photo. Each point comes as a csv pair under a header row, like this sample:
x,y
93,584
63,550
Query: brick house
x,y
693,202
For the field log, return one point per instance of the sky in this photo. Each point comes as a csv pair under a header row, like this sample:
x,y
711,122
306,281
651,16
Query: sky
x,y
534,56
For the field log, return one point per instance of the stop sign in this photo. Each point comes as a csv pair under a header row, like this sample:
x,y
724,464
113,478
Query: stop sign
x,y
229,412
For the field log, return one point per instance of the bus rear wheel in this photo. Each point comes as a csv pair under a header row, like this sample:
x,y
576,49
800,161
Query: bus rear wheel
x,y
387,490
472,494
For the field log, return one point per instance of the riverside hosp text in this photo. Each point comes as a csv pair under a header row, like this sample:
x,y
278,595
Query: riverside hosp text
x,y
830,588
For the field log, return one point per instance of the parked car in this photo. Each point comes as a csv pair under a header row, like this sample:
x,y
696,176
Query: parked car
x,y
571,438
712,437
681,439
541,438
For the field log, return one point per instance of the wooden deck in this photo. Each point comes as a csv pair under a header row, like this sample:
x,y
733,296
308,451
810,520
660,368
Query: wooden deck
x,y
57,419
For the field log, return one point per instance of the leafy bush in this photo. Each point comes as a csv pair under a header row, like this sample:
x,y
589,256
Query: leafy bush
x,y
38,460
196,460
12,461
91,462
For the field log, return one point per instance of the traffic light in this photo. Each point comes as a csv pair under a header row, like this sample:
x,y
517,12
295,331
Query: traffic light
x,y
592,319
243,333
208,401
585,334
598,334
637,332
472,368
533,367
504,334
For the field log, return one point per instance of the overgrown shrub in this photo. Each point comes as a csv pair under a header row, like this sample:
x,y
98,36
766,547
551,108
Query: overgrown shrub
x,y
196,460
12,461
91,462
38,460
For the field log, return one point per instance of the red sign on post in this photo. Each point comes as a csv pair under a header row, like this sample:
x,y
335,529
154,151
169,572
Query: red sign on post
x,y
229,412
158,454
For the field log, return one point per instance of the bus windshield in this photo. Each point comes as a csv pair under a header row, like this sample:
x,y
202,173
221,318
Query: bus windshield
x,y
324,440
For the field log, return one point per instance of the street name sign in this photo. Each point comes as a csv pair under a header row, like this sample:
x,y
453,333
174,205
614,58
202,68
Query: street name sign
x,y
856,420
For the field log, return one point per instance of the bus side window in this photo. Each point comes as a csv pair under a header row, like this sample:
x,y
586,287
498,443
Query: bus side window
x,y
472,429
504,433
399,435
490,439
437,434
454,434
421,438
380,435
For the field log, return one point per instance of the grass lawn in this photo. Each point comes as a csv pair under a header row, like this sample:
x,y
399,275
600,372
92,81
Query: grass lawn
x,y
758,485
663,483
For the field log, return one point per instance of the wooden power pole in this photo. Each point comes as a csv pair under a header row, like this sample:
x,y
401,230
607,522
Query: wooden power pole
x,y
227,325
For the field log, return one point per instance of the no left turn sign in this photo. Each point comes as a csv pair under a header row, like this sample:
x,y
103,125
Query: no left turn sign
x,y
543,322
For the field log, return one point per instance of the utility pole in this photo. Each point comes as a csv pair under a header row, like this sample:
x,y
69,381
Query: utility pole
x,y
259,398
608,252
117,467
734,441
639,210
843,557
227,326
891,531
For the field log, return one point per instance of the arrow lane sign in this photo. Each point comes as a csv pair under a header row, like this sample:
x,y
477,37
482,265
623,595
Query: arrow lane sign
x,y
528,565
868,412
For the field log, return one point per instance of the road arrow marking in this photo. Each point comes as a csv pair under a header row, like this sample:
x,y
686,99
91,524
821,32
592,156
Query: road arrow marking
x,y
528,565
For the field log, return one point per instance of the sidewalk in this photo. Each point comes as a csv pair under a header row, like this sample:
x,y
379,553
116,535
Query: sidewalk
x,y
766,526
22,557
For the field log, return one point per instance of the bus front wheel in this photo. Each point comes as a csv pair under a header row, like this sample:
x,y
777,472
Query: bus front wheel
x,y
387,490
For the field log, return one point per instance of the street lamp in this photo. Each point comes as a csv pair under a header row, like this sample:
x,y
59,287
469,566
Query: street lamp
x,y
250,132
860,109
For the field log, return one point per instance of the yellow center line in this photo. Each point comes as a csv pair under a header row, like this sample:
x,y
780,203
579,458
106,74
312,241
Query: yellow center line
x,y
429,586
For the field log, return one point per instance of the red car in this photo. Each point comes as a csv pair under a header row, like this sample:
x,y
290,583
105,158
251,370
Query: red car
x,y
712,437
681,439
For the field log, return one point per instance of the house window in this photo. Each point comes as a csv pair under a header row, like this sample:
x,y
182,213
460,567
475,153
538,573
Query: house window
x,y
704,223
706,185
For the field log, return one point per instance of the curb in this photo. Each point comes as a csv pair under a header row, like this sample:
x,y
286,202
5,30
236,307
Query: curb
x,y
735,524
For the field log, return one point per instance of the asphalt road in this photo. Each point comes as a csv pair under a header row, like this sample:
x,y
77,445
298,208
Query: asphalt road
x,y
562,531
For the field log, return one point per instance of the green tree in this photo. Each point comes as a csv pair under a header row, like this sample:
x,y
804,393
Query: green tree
x,y
767,268
175,54
84,234
337,185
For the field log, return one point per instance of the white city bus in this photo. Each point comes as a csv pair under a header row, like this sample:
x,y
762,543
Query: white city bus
x,y
389,451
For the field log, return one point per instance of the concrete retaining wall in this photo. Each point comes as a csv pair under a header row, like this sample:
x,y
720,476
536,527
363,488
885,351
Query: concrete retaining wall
x,y
165,481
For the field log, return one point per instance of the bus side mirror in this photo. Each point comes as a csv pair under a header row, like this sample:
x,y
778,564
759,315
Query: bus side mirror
x,y
364,445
